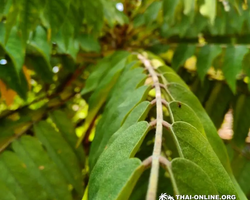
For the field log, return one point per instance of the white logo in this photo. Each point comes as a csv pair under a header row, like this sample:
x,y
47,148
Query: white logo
x,y
164,196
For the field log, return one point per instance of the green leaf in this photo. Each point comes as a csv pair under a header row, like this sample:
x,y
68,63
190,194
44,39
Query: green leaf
x,y
16,177
246,66
232,64
29,16
117,185
241,167
30,151
188,6
152,11
190,179
182,112
88,43
55,14
12,80
126,89
67,130
129,141
219,99
169,7
205,59
181,94
40,42
191,142
94,21
94,78
241,116
5,193
113,15
11,18
101,93
15,49
67,32
182,53
41,67
208,9
137,114
172,77
41,62
113,120
61,153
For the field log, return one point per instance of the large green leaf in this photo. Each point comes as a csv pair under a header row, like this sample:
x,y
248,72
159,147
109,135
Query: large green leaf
x,y
30,151
61,153
137,114
232,64
181,112
129,96
205,58
208,9
179,93
181,54
15,175
67,130
241,167
101,93
55,13
191,145
219,99
5,193
29,16
241,116
88,43
107,165
94,21
188,6
169,7
15,49
152,12
101,68
190,179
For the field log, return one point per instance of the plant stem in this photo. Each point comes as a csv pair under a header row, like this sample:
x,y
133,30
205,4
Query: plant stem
x,y
153,180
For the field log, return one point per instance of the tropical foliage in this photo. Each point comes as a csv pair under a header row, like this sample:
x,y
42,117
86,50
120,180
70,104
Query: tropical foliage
x,y
124,99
